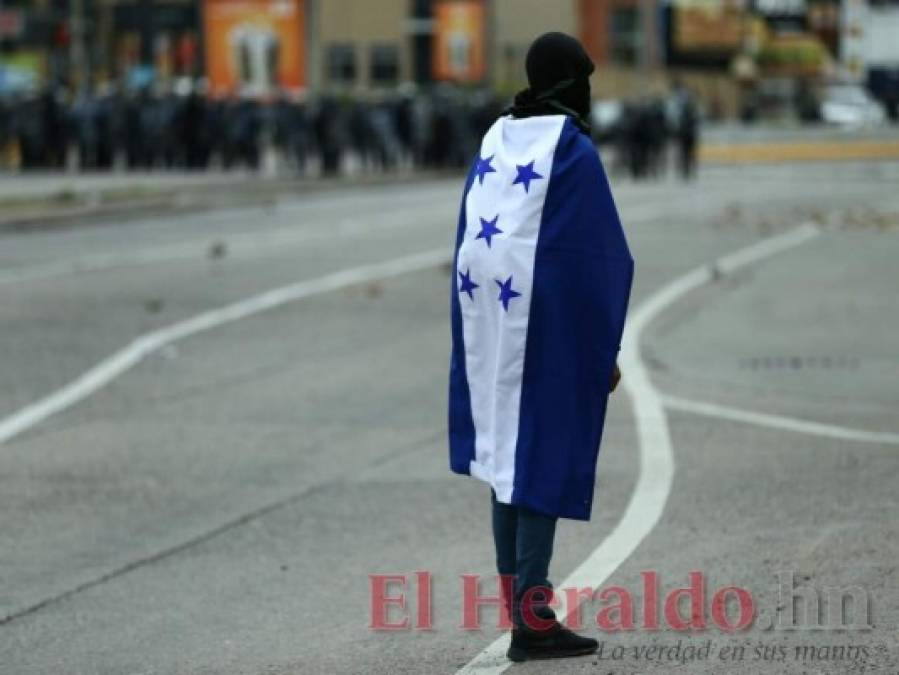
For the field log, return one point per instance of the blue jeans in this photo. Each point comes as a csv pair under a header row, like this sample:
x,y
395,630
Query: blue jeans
x,y
524,547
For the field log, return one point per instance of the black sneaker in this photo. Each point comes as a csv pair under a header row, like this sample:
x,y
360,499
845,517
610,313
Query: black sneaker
x,y
557,642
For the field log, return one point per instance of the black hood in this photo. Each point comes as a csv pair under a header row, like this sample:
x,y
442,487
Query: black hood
x,y
558,70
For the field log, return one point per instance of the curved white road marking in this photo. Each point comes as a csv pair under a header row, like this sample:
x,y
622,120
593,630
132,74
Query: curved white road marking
x,y
778,421
110,368
648,499
125,359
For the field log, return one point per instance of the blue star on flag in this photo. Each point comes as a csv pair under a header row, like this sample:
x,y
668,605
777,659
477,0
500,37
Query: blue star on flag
x,y
467,285
525,175
484,168
488,229
506,292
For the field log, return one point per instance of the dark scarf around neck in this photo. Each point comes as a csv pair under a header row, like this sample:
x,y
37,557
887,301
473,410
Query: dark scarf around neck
x,y
561,99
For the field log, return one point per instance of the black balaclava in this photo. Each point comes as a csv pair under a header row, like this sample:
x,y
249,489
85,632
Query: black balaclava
x,y
558,71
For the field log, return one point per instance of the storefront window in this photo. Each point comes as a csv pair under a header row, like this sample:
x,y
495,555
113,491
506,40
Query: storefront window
x,y
626,35
384,65
341,63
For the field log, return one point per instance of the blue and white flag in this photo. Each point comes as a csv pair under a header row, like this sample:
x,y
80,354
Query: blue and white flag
x,y
542,277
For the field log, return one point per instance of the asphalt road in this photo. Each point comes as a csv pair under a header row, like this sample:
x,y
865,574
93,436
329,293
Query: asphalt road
x,y
219,506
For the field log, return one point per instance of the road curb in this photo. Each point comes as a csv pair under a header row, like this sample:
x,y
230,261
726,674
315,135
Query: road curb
x,y
798,151
65,209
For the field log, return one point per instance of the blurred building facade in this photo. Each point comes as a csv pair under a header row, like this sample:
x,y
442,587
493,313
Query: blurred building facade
x,y
360,46
729,51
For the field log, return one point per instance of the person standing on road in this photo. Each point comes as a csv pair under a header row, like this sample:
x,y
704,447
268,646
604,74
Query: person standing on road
x,y
686,130
541,281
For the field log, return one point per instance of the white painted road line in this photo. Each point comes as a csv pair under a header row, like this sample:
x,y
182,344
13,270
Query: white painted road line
x,y
650,494
778,421
125,359
766,247
109,369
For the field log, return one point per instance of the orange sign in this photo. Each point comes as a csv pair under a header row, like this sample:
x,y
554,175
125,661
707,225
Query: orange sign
x,y
459,40
254,47
704,26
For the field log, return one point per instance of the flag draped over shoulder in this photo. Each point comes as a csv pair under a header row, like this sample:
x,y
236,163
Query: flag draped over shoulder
x,y
542,277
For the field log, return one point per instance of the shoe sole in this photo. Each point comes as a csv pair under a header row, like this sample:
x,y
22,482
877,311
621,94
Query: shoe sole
x,y
521,655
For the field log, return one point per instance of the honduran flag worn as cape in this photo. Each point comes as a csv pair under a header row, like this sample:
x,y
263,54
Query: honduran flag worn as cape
x,y
541,283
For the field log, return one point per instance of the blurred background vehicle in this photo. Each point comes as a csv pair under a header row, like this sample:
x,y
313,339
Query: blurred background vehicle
x,y
850,105
606,118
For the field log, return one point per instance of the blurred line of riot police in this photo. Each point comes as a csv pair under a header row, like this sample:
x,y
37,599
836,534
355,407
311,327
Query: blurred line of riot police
x,y
641,133
184,129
